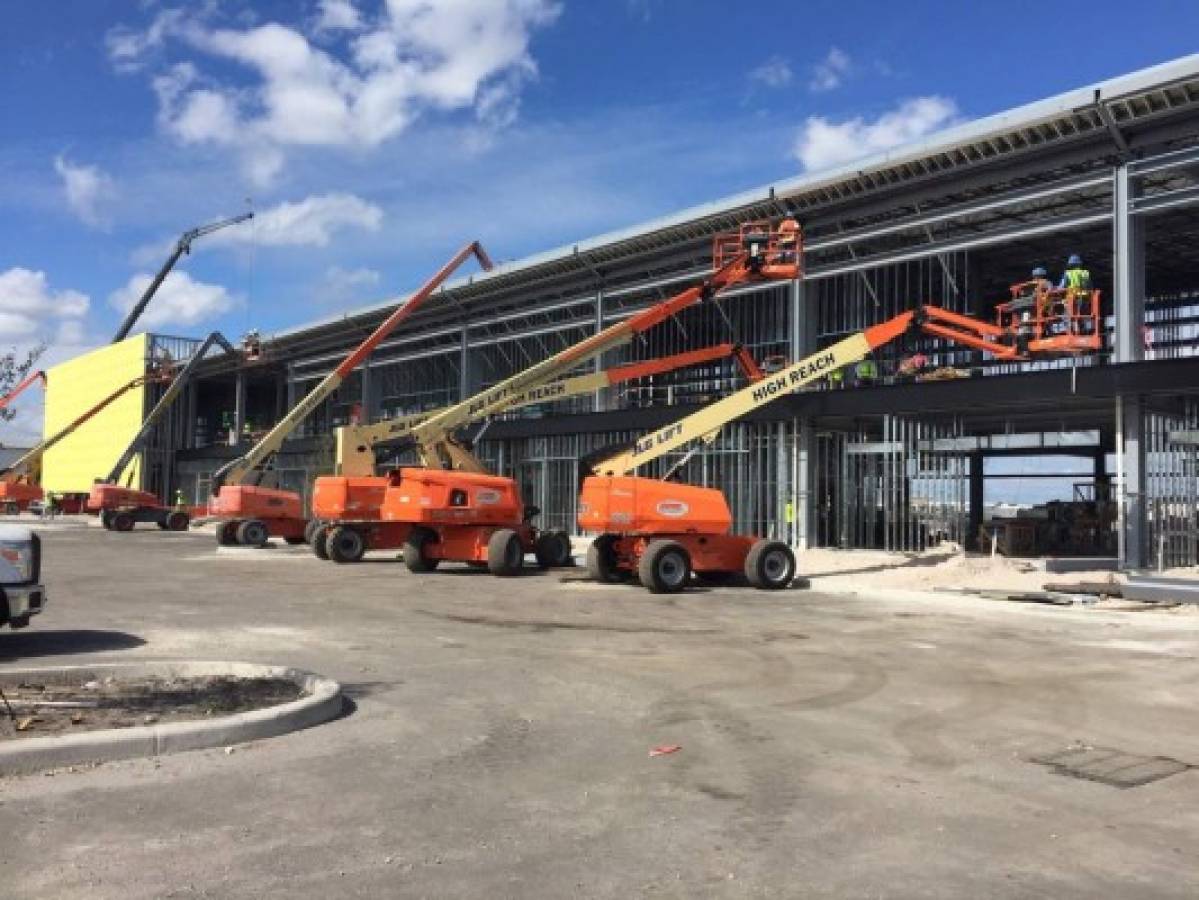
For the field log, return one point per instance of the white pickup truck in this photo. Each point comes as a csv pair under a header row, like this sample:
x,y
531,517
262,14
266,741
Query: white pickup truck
x,y
21,591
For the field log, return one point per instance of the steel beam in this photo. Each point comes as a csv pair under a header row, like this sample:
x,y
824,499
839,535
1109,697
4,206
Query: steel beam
x,y
1128,271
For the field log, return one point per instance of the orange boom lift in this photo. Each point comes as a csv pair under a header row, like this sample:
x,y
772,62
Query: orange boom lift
x,y
119,506
250,513
452,509
662,532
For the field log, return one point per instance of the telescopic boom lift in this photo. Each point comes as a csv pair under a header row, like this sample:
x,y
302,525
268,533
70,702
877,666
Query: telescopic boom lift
x,y
182,246
452,509
250,513
121,506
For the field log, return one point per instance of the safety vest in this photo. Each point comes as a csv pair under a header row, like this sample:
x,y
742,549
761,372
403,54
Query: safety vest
x,y
1078,279
866,369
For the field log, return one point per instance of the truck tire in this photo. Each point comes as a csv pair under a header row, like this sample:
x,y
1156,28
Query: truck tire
x,y
552,550
177,520
770,565
226,534
122,521
310,528
664,568
601,560
345,544
505,552
416,552
320,542
253,533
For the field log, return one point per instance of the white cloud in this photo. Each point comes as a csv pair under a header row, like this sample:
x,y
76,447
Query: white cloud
x,y
831,71
180,301
774,73
340,287
421,56
822,144
311,222
87,189
338,15
31,311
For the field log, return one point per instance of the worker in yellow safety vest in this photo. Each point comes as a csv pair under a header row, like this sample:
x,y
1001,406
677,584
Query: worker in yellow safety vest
x,y
866,372
1075,278
1076,281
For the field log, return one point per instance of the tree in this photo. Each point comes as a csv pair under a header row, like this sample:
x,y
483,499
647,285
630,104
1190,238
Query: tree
x,y
14,366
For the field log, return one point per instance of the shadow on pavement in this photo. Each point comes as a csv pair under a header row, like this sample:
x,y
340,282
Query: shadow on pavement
x,y
30,644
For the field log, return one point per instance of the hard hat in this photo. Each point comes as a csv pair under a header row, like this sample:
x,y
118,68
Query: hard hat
x,y
1039,272
1074,260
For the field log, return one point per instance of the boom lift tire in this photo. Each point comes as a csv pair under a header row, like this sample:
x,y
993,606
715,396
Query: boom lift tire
x,y
505,552
320,543
226,534
177,520
253,533
345,545
310,530
601,560
122,521
416,556
552,550
665,567
770,565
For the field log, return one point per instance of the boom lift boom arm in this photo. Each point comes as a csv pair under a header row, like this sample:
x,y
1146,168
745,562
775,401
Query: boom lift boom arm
x,y
754,253
704,424
240,470
183,245
356,445
20,388
178,383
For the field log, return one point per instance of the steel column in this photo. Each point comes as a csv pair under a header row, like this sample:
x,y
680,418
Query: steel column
x,y
239,405
1128,268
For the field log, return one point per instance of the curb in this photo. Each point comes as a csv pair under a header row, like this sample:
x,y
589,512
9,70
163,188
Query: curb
x,y
323,702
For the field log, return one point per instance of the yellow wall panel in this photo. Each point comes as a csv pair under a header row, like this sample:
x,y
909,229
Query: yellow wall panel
x,y
71,389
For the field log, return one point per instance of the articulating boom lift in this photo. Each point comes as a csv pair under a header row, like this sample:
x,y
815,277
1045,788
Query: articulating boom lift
x,y
662,532
19,482
120,506
452,509
251,513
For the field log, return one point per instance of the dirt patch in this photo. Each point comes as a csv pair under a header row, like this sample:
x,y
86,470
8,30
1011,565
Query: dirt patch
x,y
47,709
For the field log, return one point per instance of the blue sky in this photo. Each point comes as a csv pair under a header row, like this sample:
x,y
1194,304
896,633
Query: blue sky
x,y
375,137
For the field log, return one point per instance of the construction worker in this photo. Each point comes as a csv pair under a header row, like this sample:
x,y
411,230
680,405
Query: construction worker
x,y
179,504
1075,278
866,372
788,240
911,366
1076,281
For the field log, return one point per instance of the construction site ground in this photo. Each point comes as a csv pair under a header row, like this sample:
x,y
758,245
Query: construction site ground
x,y
851,740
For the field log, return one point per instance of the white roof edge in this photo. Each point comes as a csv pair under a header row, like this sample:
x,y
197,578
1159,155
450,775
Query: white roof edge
x,y
977,129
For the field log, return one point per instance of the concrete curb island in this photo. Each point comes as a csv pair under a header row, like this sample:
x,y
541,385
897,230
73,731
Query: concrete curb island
x,y
323,701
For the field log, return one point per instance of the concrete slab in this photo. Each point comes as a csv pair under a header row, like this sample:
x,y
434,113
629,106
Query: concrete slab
x,y
833,746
